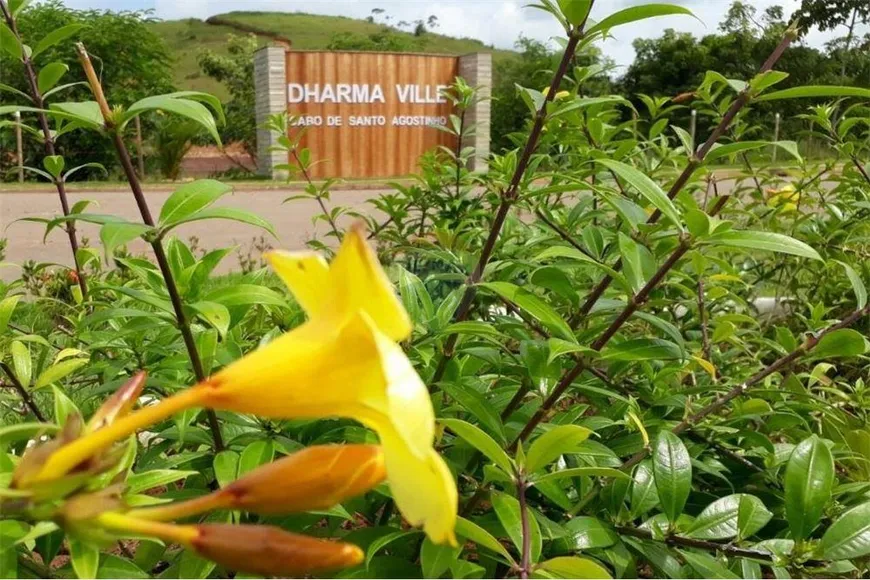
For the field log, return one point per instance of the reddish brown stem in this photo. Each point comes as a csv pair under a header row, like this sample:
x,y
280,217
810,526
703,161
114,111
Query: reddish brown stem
x,y
157,246
26,398
48,146
508,197
741,101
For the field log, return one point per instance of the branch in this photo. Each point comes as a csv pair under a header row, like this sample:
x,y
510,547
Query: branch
x,y
22,392
702,316
526,556
48,145
727,549
563,234
809,344
508,197
157,244
316,196
742,99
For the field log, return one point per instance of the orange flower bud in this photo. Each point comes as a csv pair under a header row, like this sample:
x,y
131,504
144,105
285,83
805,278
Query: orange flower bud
x,y
119,404
317,477
270,551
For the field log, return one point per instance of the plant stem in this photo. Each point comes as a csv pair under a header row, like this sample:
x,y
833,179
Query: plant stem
x,y
526,556
563,234
634,303
48,145
702,317
317,196
727,549
809,344
22,392
157,245
742,100
508,197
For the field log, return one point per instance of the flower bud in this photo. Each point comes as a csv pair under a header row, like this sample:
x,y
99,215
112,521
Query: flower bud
x,y
270,551
119,404
317,477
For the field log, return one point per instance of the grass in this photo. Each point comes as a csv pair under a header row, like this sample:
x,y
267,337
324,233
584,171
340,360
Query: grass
x,y
187,38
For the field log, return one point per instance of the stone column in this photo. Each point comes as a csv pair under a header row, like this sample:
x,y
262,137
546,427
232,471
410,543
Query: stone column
x,y
270,84
476,69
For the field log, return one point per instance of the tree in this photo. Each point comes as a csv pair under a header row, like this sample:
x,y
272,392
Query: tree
x,y
134,63
831,14
236,71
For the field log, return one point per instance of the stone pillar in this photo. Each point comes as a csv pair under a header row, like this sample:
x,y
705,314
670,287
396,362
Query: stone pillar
x,y
476,69
270,83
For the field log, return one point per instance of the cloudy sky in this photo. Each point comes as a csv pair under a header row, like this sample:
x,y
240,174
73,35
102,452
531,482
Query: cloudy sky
x,y
497,22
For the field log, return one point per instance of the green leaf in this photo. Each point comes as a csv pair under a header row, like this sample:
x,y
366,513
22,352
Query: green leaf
x,y
719,520
21,363
533,305
849,535
435,559
58,371
844,342
721,151
553,444
215,314
809,479
16,6
85,112
113,566
245,295
558,347
632,261
765,241
383,541
507,509
580,472
672,469
857,285
586,533
638,349
476,404
85,558
190,109
191,198
636,13
574,567
227,213
50,74
140,482
752,515
644,495
226,467
816,91
22,431
481,441
471,531
9,42
575,11
7,307
254,455
706,565
54,37
54,165
119,233
643,184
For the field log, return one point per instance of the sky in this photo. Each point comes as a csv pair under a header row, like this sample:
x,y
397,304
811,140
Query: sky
x,y
495,22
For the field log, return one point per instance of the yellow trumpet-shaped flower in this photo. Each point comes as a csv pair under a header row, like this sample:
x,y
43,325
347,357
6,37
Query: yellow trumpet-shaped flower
x,y
343,362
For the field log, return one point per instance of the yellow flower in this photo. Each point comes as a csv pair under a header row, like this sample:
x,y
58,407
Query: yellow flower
x,y
343,362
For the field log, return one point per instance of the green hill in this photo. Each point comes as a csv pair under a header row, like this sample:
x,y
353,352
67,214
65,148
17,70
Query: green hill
x,y
186,38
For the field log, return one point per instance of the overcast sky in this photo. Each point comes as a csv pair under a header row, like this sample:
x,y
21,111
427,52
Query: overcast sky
x,y
497,22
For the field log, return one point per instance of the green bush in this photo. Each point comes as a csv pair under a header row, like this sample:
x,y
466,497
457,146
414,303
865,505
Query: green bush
x,y
602,358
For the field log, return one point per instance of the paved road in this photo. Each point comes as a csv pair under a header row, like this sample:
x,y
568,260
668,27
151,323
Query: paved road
x,y
292,222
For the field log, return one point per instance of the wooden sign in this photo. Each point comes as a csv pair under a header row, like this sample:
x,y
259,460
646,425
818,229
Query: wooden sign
x,y
365,114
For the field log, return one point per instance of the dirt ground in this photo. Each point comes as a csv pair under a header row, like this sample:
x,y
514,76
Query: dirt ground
x,y
292,222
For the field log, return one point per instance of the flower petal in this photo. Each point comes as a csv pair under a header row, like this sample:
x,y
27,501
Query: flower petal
x,y
424,489
305,274
358,282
